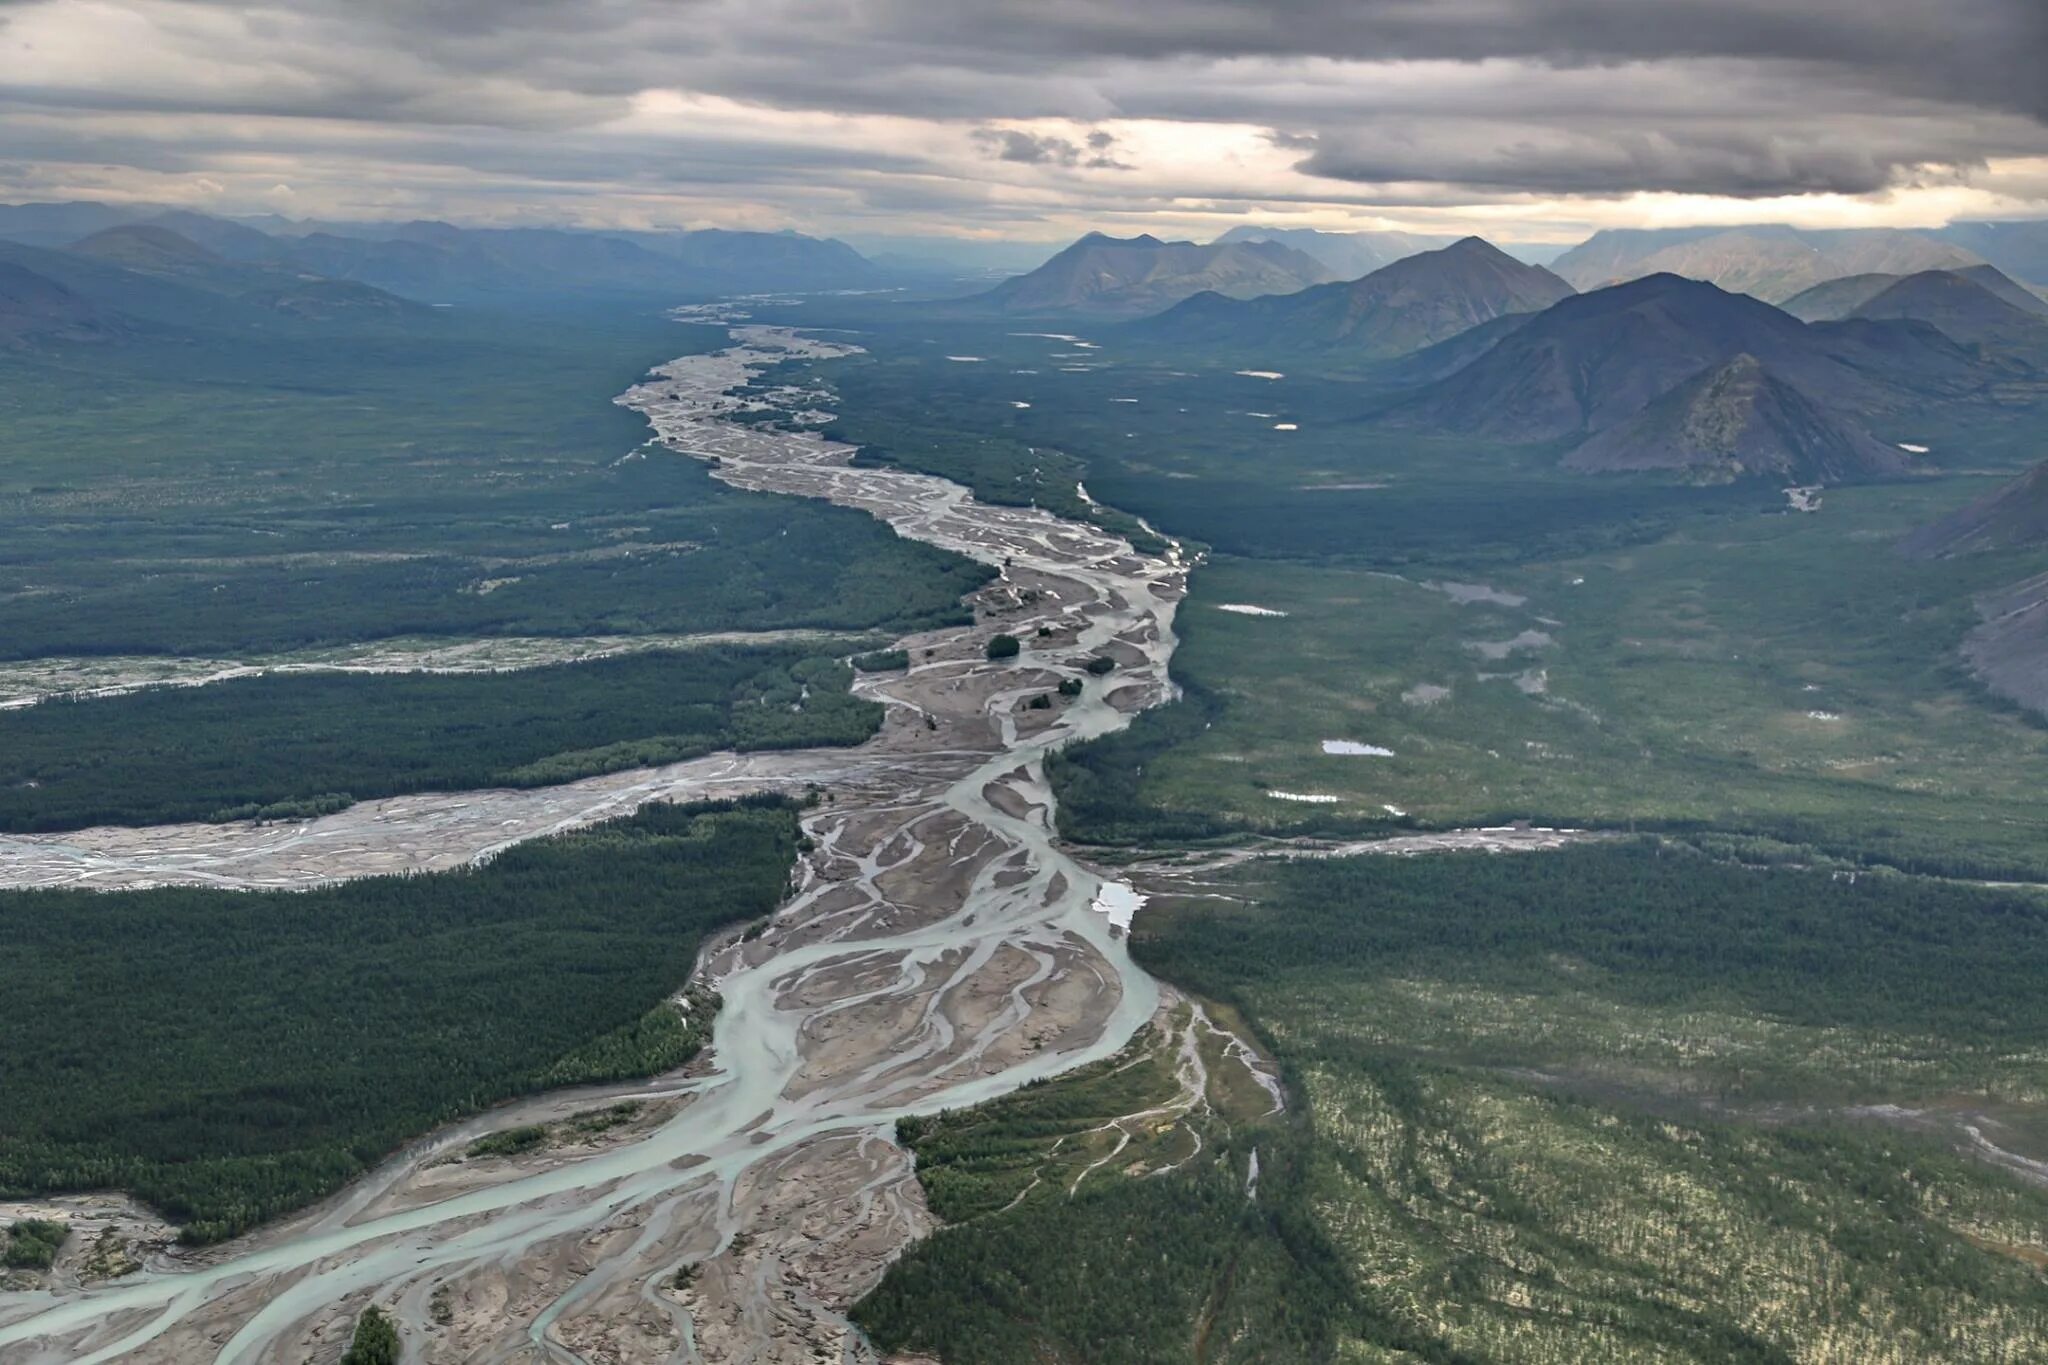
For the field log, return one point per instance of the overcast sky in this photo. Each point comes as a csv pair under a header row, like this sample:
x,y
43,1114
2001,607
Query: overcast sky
x,y
1037,119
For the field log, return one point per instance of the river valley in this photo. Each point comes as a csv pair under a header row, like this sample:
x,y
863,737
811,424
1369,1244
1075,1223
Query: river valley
x,y
939,949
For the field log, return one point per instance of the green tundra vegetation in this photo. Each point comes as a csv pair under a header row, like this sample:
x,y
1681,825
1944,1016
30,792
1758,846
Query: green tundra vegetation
x,y
1087,1219
1728,677
229,1056
1625,1103
462,474
284,746
1531,643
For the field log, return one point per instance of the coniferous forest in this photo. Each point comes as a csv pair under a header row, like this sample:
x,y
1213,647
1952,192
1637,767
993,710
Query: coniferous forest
x,y
229,1056
290,745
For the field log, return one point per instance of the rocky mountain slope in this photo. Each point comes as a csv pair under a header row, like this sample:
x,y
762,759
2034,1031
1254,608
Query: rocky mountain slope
x,y
1739,420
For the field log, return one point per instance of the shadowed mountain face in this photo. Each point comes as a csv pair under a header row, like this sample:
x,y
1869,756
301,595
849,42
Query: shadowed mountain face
x,y
2008,650
1770,262
2014,517
36,310
1598,359
1134,276
1738,420
1399,309
155,250
149,248
1961,308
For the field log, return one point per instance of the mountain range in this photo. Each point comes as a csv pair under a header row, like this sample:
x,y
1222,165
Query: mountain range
x,y
1348,255
1401,308
1840,298
1771,262
1596,358
1133,276
1979,305
155,250
1677,374
439,262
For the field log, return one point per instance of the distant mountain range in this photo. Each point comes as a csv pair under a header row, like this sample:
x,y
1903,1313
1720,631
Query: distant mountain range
x,y
439,262
1347,255
1833,299
1133,276
1977,304
1772,262
1397,309
152,249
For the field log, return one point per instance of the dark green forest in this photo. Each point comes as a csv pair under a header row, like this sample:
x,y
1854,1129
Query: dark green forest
x,y
1643,924
230,1056
288,745
1046,1255
466,474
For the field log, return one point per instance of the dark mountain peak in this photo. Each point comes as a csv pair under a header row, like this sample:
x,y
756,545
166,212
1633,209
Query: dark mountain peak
x,y
1476,245
1739,420
2013,517
1143,239
1597,359
1959,306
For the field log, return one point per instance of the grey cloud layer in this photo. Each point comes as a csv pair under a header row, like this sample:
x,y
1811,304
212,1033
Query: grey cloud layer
x,y
1544,97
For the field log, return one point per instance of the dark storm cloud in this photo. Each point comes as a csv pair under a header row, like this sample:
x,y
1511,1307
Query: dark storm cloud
x,y
1980,53
1097,151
